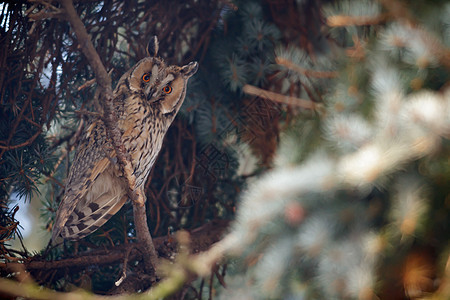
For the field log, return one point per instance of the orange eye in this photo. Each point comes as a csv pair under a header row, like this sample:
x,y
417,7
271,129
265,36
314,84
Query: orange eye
x,y
167,89
146,77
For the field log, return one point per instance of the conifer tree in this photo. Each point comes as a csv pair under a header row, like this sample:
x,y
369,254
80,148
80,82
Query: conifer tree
x,y
355,207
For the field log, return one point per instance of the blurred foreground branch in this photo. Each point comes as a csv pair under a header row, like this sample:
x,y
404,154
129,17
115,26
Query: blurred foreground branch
x,y
279,98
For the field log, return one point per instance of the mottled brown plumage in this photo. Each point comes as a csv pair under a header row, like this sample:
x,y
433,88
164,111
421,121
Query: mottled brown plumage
x,y
146,99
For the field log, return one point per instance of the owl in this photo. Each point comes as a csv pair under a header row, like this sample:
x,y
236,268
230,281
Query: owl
x,y
146,99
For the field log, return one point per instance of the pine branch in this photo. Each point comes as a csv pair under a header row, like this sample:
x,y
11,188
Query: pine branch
x,y
26,143
400,10
110,120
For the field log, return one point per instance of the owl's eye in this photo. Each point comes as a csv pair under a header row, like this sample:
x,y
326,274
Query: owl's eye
x,y
167,89
146,77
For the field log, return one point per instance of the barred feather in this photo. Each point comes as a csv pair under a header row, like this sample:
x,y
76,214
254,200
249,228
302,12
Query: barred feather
x,y
105,198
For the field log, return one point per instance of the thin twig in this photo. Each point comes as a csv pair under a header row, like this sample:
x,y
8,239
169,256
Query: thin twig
x,y
86,84
91,82
124,268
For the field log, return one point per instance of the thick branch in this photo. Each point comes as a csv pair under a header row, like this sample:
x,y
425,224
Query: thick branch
x,y
110,119
143,235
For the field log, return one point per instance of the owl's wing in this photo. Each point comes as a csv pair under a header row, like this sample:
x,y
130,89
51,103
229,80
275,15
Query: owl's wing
x,y
86,219
93,156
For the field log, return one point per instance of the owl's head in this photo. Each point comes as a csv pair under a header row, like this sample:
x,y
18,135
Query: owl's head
x,y
162,86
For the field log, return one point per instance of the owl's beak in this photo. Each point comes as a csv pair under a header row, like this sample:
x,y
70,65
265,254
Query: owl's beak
x,y
150,93
189,69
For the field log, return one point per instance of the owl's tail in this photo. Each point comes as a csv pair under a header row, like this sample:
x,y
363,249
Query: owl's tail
x,y
87,219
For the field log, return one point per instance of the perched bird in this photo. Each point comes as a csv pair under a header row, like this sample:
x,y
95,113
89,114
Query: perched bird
x,y
146,100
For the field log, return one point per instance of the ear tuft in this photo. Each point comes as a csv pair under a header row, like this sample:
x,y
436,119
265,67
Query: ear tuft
x,y
189,69
152,46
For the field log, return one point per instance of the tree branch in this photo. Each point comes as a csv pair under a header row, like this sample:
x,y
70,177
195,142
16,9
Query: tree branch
x,y
110,119
341,21
144,236
253,90
319,74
